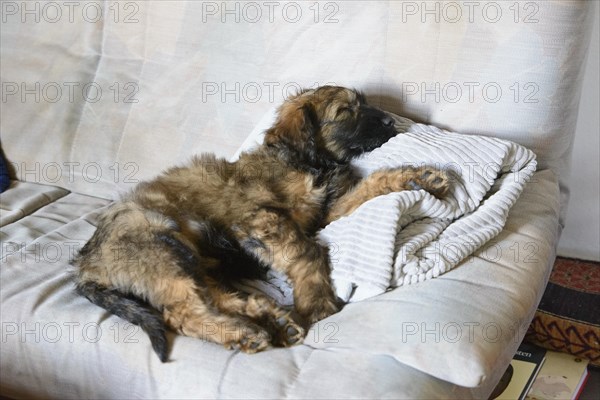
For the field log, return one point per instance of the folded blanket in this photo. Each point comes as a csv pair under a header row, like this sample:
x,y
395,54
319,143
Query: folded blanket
x,y
410,236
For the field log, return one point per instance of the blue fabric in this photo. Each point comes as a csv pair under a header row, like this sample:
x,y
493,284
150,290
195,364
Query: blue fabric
x,y
4,177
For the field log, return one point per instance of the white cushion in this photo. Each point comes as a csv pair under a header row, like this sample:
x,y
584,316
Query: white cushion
x,y
57,344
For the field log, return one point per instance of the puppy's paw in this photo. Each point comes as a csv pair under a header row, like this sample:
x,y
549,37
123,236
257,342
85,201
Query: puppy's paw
x,y
435,181
289,332
250,341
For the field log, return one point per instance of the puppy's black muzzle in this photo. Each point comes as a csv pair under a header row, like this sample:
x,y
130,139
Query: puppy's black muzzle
x,y
371,128
375,116
375,127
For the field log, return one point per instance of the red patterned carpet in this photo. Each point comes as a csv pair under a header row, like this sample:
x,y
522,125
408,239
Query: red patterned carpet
x,y
577,274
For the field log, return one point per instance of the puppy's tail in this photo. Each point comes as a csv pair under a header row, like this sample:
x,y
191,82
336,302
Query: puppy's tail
x,y
131,309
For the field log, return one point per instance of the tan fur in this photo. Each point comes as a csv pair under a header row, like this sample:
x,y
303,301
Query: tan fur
x,y
270,201
388,181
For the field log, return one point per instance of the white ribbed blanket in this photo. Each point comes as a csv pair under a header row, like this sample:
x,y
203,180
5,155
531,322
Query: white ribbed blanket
x,y
410,236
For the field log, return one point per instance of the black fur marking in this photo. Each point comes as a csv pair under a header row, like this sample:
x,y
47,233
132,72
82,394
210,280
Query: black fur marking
x,y
188,261
234,262
131,309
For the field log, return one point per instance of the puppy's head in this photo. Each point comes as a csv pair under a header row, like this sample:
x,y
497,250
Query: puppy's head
x,y
330,123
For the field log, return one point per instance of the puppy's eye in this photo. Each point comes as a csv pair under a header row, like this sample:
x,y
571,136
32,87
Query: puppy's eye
x,y
343,110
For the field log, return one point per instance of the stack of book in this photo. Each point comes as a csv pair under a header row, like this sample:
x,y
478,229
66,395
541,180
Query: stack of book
x,y
539,374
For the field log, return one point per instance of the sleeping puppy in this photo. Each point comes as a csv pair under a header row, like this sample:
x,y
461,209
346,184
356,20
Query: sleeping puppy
x,y
167,253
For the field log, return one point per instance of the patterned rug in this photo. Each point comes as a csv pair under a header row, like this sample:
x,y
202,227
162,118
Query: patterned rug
x,y
568,317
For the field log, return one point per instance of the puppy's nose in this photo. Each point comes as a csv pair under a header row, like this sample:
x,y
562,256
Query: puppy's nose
x,y
387,121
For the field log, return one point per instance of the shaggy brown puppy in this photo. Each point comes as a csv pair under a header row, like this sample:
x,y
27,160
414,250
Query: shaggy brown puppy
x,y
168,251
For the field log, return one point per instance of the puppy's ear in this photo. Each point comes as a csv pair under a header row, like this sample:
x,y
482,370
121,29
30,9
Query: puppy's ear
x,y
295,130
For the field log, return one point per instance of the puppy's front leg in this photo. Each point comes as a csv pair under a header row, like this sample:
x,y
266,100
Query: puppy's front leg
x,y
386,181
277,241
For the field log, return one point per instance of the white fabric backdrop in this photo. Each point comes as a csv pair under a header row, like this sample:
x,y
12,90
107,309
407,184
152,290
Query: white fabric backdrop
x,y
169,79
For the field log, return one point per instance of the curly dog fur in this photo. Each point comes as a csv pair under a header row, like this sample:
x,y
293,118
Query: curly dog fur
x,y
167,253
